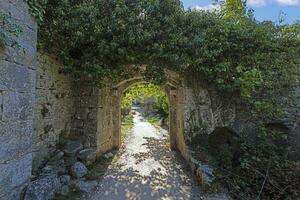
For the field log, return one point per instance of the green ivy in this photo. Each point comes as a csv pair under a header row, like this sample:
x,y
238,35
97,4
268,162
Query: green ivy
x,y
144,91
37,8
229,49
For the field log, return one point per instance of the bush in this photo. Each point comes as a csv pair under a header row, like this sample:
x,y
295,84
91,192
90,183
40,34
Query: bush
x,y
263,172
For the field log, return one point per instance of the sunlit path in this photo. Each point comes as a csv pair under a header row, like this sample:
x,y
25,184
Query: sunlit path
x,y
146,169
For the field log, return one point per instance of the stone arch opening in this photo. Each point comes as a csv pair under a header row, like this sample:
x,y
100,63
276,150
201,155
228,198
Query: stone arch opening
x,y
141,110
109,115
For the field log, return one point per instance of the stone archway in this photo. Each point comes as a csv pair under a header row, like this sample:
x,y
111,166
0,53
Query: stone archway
x,y
108,135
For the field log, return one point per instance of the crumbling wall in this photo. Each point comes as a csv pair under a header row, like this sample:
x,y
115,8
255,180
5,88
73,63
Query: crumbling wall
x,y
205,110
54,108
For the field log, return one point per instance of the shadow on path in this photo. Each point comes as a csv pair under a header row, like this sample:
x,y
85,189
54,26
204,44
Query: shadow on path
x,y
146,169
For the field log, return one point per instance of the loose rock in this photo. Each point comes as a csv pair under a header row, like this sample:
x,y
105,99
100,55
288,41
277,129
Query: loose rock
x,y
88,156
78,170
86,186
65,179
108,155
64,190
69,161
56,166
43,188
58,156
71,148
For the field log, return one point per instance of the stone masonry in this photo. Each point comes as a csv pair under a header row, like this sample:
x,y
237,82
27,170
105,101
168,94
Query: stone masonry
x,y
40,106
53,108
17,97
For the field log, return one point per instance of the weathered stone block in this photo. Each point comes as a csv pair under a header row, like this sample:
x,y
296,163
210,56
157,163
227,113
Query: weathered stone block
x,y
16,106
16,77
43,188
23,55
15,139
1,105
19,10
14,173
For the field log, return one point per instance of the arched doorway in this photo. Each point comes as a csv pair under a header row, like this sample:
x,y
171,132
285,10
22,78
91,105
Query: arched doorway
x,y
109,114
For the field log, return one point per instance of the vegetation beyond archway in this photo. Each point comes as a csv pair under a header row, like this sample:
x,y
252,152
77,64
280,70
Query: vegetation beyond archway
x,y
150,99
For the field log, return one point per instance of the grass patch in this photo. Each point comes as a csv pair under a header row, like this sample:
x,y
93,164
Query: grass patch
x,y
153,120
127,123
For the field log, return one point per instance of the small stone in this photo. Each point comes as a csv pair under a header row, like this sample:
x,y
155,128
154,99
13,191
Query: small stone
x,y
108,155
71,148
206,174
43,188
88,156
58,156
65,179
78,170
57,166
64,190
86,186
69,161
47,169
194,161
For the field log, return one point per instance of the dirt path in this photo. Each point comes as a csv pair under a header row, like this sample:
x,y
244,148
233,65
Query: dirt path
x,y
146,169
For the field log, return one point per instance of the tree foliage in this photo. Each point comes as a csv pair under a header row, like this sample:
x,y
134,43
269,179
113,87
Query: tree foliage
x,y
144,91
37,8
231,50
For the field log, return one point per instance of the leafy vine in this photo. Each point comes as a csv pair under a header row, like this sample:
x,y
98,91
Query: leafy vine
x,y
37,8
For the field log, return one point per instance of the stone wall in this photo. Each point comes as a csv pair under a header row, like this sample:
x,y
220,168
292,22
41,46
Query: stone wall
x,y
205,110
86,103
292,121
17,96
54,108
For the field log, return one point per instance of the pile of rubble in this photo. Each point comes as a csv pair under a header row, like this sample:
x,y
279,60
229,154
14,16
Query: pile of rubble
x,y
66,169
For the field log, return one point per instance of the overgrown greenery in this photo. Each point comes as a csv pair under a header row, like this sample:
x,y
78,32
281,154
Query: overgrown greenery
x,y
229,48
144,91
37,8
262,171
9,31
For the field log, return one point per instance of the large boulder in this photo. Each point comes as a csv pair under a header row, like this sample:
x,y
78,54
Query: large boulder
x,y
71,148
88,156
43,188
85,186
78,170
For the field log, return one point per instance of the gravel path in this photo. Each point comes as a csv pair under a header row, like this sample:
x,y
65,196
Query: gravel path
x,y
146,169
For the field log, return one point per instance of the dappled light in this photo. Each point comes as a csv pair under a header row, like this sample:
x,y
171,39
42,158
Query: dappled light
x,y
145,167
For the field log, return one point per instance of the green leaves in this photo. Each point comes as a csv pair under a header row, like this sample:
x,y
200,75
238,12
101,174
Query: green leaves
x,y
229,49
37,8
144,91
